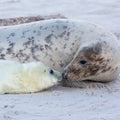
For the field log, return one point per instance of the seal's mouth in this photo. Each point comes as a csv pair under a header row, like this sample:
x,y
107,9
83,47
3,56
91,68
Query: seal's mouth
x,y
66,82
64,75
59,77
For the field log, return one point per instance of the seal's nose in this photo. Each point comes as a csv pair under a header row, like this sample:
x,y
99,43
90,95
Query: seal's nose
x,y
64,75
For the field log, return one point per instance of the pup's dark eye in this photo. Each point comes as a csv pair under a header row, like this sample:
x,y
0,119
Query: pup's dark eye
x,y
83,62
51,71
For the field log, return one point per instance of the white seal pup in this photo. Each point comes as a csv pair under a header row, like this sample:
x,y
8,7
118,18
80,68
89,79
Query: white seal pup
x,y
58,42
30,77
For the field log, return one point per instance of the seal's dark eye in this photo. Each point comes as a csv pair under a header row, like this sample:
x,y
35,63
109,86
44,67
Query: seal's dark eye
x,y
83,62
51,71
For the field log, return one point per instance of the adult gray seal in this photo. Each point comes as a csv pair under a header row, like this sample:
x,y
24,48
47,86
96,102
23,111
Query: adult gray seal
x,y
58,42
96,60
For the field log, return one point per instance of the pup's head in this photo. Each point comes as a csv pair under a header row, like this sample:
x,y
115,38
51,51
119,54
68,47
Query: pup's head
x,y
42,74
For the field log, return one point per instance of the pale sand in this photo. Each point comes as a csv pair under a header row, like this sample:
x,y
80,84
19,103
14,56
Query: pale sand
x,y
61,103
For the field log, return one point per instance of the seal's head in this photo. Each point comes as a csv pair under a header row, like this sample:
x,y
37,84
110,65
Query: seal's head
x,y
40,75
91,62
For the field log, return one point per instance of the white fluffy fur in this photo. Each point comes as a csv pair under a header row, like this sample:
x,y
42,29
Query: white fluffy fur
x,y
16,77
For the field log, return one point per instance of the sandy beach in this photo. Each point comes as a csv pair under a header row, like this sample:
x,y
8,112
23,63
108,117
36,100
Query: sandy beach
x,y
63,103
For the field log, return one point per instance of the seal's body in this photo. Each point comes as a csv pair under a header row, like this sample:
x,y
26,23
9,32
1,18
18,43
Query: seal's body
x,y
31,77
54,42
58,42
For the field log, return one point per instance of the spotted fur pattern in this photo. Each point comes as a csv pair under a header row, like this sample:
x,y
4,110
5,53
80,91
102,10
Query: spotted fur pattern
x,y
40,41
101,64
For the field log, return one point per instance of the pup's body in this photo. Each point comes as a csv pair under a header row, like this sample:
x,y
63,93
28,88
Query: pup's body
x,y
26,78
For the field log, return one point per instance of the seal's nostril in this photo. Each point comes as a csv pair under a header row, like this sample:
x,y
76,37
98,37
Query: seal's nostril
x,y
64,75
